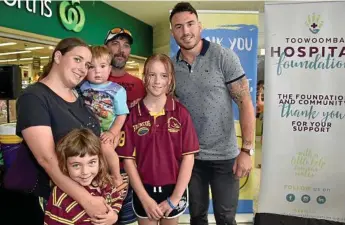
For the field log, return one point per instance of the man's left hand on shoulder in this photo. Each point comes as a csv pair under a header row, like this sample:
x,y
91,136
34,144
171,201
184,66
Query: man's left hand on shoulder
x,y
242,165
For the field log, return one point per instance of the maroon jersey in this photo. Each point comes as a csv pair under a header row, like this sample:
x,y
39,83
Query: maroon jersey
x,y
62,209
158,144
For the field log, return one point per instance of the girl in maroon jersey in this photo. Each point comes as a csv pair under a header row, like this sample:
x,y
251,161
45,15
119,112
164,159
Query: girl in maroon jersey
x,y
80,157
158,144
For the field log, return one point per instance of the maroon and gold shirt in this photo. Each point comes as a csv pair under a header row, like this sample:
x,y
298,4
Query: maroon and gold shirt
x,y
158,143
62,209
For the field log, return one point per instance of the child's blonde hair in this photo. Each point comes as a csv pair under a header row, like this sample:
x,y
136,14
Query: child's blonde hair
x,y
100,52
80,142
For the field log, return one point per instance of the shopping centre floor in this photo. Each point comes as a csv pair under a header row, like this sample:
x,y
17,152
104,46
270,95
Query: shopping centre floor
x,y
243,219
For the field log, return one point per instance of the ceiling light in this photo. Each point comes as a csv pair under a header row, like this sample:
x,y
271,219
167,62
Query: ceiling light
x,y
51,47
24,59
13,53
7,44
44,57
131,62
34,48
7,60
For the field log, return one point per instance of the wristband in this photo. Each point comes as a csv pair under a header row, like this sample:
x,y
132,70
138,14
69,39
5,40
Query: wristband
x,y
170,203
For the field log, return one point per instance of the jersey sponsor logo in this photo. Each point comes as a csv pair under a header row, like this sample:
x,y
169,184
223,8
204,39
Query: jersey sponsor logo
x,y
146,124
173,125
142,131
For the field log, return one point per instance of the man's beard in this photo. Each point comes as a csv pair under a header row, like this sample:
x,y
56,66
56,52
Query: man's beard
x,y
118,64
186,47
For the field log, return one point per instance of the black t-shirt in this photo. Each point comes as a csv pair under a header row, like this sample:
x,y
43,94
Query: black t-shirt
x,y
38,105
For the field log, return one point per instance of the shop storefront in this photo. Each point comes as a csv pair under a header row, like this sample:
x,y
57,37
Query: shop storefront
x,y
29,31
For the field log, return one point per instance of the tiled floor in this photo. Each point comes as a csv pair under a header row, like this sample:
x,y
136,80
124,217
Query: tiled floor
x,y
240,219
243,219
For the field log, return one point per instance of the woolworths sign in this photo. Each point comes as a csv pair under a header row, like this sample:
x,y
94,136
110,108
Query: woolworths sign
x,y
71,14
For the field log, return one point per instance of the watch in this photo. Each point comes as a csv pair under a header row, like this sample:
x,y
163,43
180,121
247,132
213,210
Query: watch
x,y
248,151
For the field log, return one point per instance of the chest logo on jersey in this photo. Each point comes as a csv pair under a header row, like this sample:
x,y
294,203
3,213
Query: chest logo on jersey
x,y
173,125
142,128
142,131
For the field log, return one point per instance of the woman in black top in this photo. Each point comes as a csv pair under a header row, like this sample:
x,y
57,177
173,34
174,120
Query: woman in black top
x,y
48,110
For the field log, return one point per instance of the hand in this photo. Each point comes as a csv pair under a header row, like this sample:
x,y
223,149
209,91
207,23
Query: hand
x,y
116,139
95,205
117,180
106,219
165,207
152,209
242,165
107,136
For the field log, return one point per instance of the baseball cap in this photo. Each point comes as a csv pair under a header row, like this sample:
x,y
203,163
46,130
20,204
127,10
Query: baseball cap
x,y
116,32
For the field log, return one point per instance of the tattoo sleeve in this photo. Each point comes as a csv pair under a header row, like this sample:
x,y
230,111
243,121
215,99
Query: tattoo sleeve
x,y
239,92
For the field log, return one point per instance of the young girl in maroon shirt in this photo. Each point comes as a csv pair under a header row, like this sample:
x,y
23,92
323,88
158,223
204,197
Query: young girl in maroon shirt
x,y
158,144
80,157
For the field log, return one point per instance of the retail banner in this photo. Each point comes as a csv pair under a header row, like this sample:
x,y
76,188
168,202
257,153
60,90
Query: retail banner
x,y
238,31
303,165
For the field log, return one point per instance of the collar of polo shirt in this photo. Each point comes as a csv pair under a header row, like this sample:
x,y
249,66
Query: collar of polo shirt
x,y
170,105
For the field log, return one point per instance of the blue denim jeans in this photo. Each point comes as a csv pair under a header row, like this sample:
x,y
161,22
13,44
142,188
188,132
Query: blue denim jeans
x,y
224,187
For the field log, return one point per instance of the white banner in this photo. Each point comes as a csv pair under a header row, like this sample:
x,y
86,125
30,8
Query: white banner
x,y
303,167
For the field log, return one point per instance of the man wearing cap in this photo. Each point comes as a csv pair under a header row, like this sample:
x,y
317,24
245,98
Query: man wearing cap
x,y
119,42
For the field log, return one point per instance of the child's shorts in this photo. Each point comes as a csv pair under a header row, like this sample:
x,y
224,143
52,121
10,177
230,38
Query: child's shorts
x,y
160,194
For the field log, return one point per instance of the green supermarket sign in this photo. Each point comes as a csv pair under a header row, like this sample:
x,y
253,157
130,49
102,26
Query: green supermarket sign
x,y
72,15
65,18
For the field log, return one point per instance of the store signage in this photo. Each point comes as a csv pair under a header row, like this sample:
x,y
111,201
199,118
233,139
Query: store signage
x,y
36,63
72,15
30,6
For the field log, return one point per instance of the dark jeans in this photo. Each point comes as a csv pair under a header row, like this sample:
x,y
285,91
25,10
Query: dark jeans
x,y
224,187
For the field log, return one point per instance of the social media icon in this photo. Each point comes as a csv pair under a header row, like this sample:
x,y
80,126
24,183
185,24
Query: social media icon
x,y
305,198
290,197
321,199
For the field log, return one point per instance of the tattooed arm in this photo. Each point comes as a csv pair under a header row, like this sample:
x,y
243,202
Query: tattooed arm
x,y
239,91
